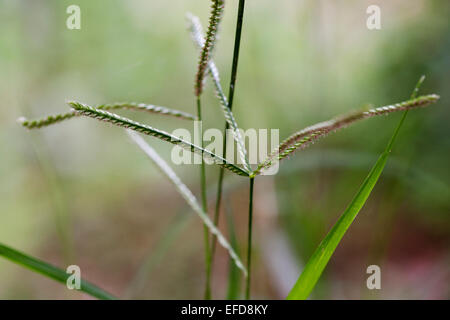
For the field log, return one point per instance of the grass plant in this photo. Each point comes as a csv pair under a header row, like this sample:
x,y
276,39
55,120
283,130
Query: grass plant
x,y
295,142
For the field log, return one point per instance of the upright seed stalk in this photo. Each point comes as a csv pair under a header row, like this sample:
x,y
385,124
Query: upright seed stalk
x,y
205,209
249,240
237,43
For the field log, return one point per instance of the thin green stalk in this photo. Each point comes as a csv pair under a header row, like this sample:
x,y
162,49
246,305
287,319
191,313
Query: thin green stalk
x,y
249,239
237,44
205,209
234,277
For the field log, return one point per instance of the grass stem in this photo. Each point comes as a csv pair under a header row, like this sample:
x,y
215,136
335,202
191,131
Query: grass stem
x,y
249,239
208,259
237,45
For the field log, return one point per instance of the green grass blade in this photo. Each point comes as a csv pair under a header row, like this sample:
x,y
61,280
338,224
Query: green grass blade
x,y
136,126
39,123
249,239
188,196
317,263
50,271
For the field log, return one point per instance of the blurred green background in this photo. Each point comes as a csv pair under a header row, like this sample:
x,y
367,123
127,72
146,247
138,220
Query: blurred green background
x,y
81,193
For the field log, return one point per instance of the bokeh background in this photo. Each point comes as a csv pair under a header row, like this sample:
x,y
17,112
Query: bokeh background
x,y
81,193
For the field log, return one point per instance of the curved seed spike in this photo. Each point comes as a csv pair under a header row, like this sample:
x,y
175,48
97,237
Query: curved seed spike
x,y
145,129
187,195
209,43
149,108
39,123
196,32
309,135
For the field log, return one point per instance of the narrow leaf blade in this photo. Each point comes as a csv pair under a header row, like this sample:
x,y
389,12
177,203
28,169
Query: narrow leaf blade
x,y
50,271
234,277
317,263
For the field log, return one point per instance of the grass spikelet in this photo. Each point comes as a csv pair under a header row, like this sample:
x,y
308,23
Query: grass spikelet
x,y
304,138
196,32
209,43
117,120
39,123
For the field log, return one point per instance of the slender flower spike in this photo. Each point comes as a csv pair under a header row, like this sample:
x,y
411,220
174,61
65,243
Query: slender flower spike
x,y
195,29
208,46
304,138
196,32
123,122
39,123
49,120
